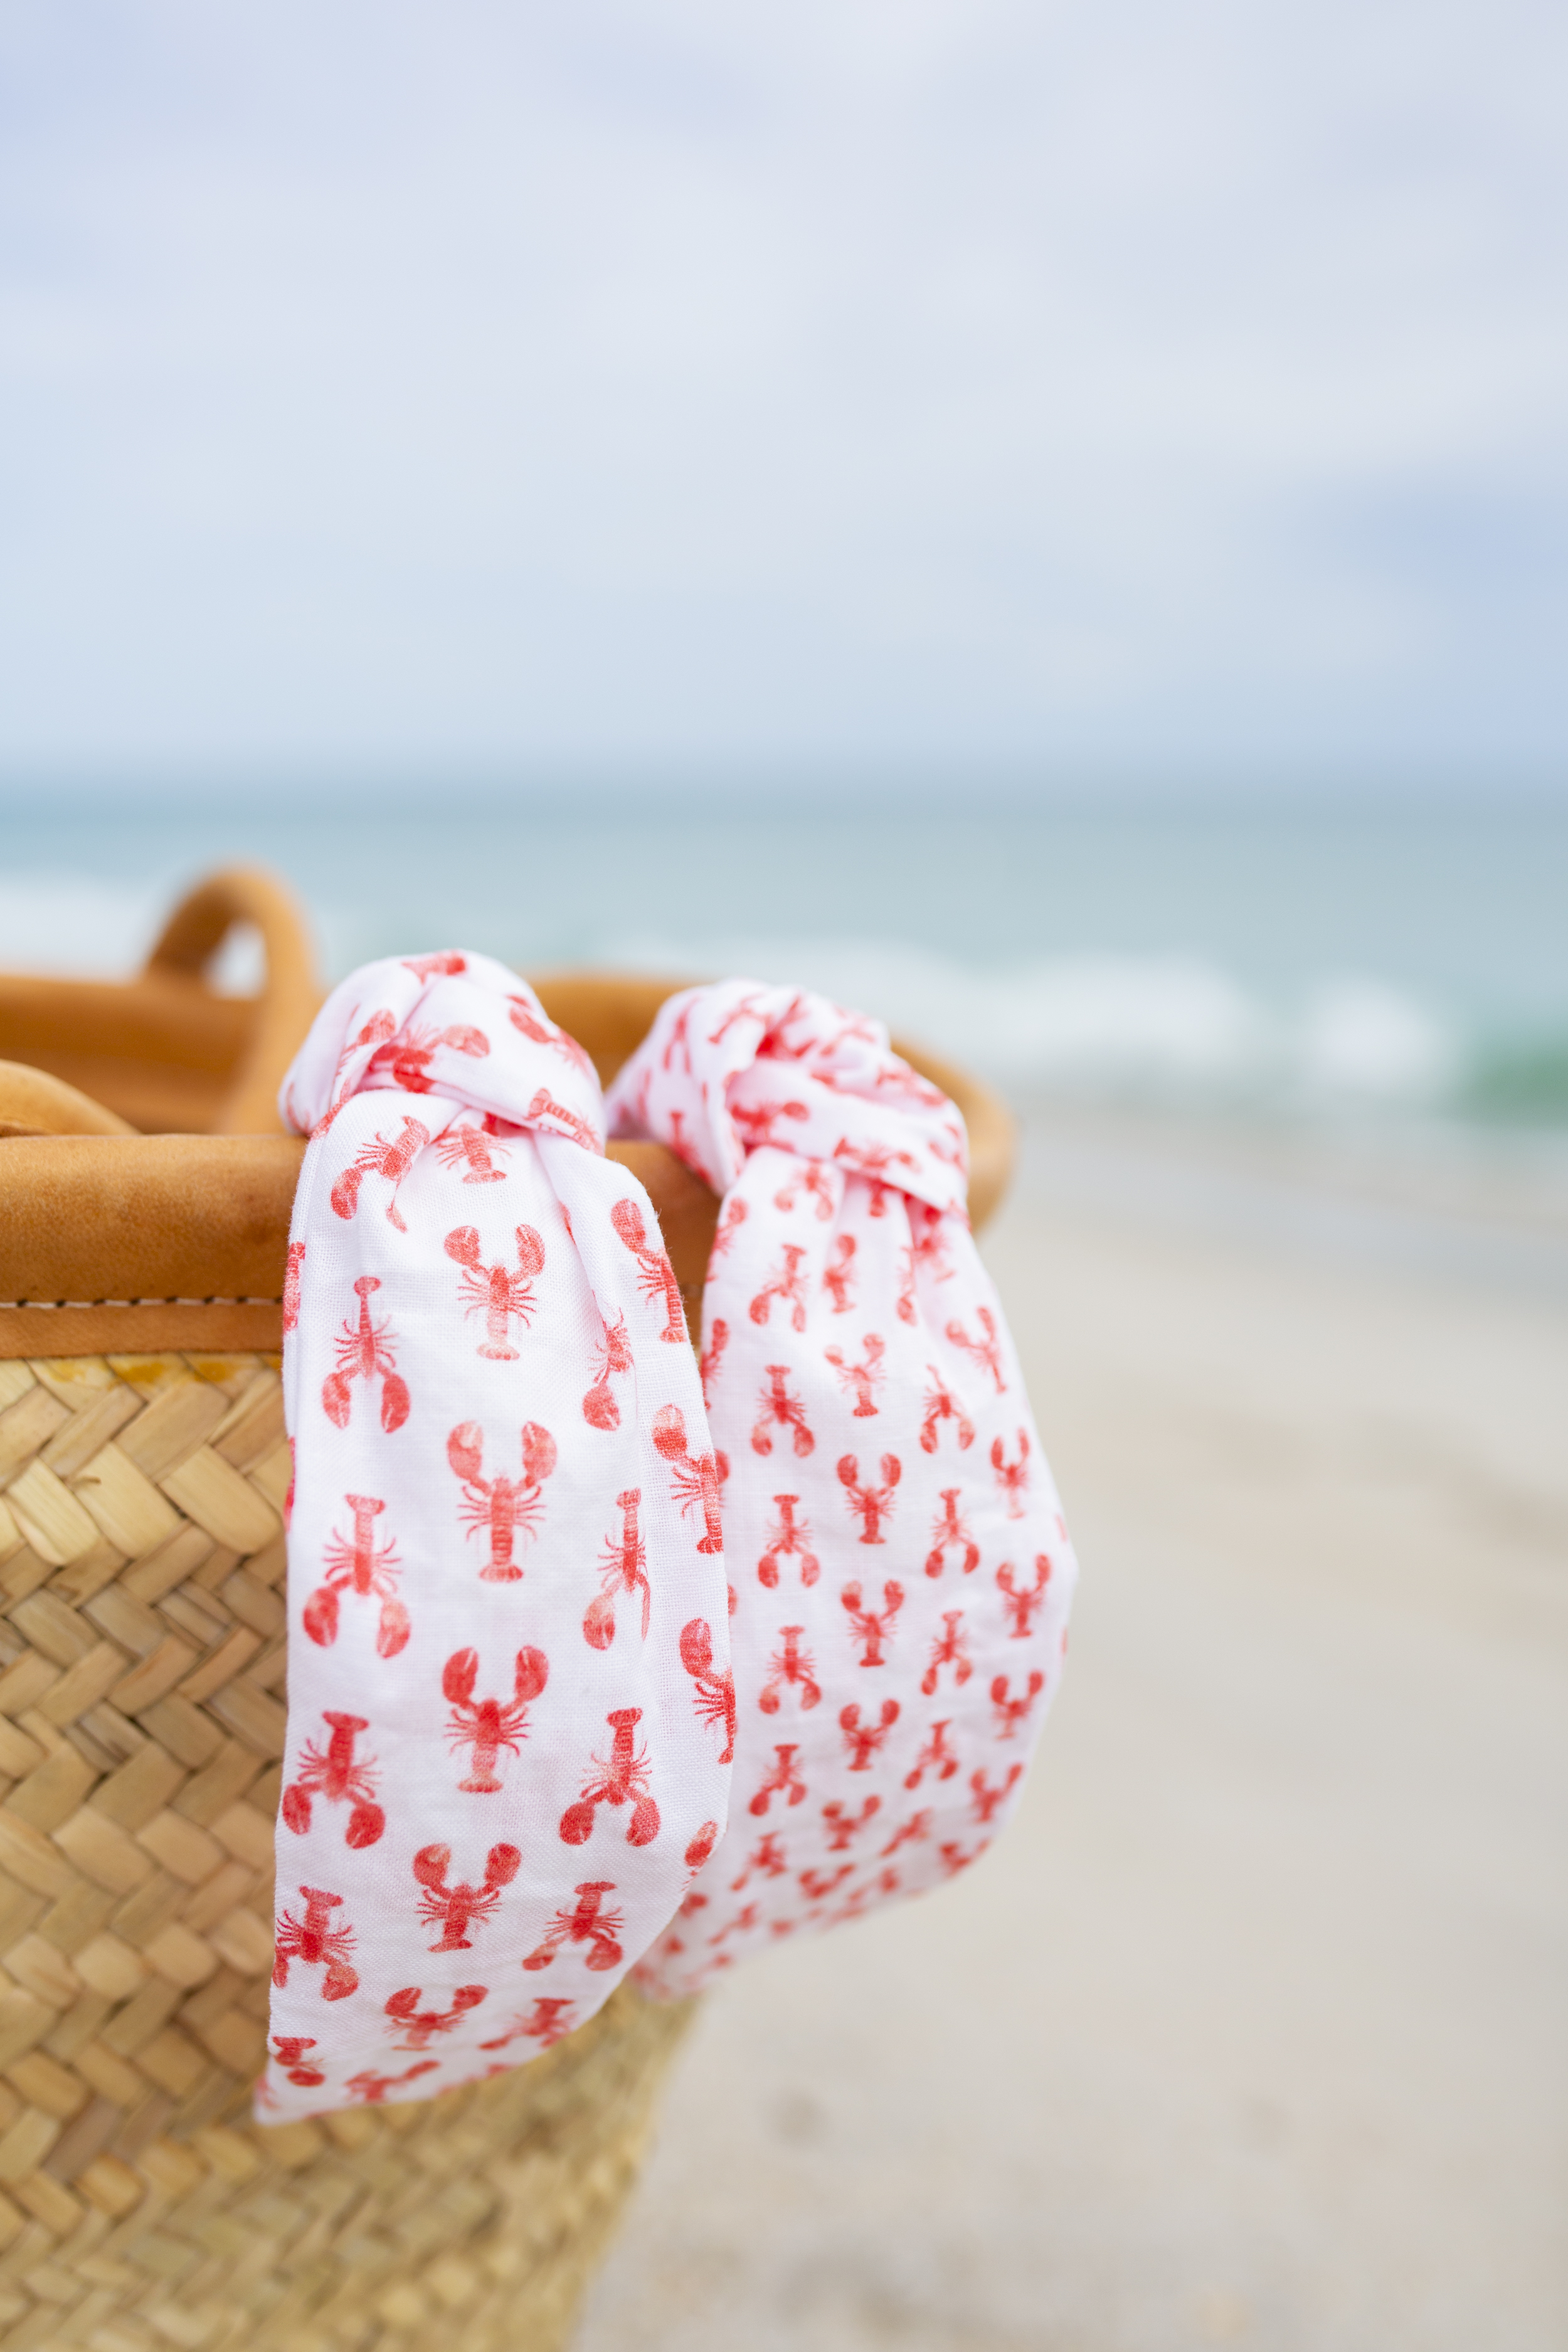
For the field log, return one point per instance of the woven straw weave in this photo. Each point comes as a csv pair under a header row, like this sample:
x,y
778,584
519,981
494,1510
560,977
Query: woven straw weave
x,y
141,1718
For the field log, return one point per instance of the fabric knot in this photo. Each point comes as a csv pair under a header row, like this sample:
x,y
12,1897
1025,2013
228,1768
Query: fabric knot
x,y
509,1721
459,1026
901,1573
731,1068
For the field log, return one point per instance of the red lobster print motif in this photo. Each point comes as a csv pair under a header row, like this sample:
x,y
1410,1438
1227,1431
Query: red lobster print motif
x,y
624,1568
444,964
986,1799
689,1910
740,1925
292,1266
864,1740
288,2049
589,1921
656,1275
375,1031
525,1020
936,1756
859,1896
371,2088
817,1885
419,2026
487,1726
843,1827
1013,1477
380,1158
779,1409
790,1539
871,1159
756,1121
407,1060
767,1857
941,1405
315,1943
837,1278
476,1151
787,1285
336,1773
456,1910
703,1846
956,1149
712,1357
504,1507
784,1781
790,1668
364,1353
987,1351
908,1832
874,1628
563,1120
745,1008
949,1649
901,1078
358,1564
873,1506
492,1292
862,1380
547,2023
715,1692
927,1232
623,1778
951,1529
728,1225
906,1309
678,1041
808,1177
696,1477
600,1409
1024,1601
1012,1712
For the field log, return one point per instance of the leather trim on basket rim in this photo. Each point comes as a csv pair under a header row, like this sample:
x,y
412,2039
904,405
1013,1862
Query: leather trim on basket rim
x,y
116,1245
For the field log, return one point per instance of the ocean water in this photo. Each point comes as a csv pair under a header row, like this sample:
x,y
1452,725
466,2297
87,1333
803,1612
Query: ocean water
x,y
1312,963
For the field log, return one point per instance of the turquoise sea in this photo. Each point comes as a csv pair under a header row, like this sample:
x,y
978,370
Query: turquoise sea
x,y
1315,961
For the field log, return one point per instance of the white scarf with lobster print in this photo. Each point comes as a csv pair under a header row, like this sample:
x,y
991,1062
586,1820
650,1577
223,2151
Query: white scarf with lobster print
x,y
900,1572
506,1576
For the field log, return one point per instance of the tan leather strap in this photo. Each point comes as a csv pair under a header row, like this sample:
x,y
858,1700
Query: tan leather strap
x,y
113,1243
114,1246
32,1102
165,1051
289,995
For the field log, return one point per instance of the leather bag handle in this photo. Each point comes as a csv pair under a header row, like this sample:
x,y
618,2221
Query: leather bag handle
x,y
289,993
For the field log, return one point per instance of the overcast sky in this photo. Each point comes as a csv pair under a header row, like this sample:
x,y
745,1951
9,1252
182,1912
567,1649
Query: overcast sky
x,y
844,386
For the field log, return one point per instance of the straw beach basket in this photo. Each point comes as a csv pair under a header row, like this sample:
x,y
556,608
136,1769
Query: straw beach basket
x,y
146,1190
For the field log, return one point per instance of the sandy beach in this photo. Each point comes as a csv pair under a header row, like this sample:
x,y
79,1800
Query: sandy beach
x,y
1252,2030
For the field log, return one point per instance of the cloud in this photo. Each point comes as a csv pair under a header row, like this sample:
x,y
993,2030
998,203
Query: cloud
x,y
954,383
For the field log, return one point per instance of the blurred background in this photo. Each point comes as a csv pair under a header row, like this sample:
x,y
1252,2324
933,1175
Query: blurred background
x,y
1048,523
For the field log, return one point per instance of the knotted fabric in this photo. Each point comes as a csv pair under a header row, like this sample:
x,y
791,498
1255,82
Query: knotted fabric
x,y
506,1577
900,1570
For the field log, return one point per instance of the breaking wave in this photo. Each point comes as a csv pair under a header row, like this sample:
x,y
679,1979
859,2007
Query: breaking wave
x,y
1169,1029
1180,1031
